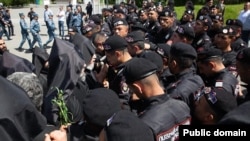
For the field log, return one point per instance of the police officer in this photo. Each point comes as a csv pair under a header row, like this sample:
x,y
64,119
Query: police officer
x,y
154,25
35,29
218,22
211,67
211,104
24,32
238,43
77,21
184,33
241,114
117,56
167,22
201,27
187,82
223,41
145,84
107,16
188,16
165,77
143,18
51,30
121,27
137,48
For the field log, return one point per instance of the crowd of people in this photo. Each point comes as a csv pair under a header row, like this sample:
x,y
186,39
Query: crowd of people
x,y
127,73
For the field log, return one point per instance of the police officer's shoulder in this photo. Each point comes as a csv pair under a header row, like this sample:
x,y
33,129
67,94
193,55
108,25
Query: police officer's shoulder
x,y
243,55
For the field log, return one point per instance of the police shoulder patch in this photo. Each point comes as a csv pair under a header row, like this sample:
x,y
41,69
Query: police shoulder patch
x,y
219,84
124,87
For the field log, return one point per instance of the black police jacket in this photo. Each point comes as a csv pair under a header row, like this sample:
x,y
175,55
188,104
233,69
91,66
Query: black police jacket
x,y
153,29
223,79
164,115
238,44
186,84
240,115
164,35
202,40
119,85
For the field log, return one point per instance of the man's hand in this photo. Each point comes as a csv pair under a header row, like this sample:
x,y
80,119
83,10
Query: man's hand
x,y
57,135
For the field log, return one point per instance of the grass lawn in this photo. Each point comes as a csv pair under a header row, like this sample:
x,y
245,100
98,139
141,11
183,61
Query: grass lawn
x,y
231,12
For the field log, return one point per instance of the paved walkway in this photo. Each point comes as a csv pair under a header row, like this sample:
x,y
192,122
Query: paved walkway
x,y
14,43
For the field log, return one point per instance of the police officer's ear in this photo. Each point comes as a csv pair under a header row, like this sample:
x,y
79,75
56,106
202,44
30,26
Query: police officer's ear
x,y
136,47
209,117
210,65
136,88
172,63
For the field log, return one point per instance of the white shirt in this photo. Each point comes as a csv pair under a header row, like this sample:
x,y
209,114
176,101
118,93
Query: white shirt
x,y
61,15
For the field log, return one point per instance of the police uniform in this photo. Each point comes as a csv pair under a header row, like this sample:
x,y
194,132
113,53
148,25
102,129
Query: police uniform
x,y
229,56
153,29
166,33
241,114
77,21
230,61
203,40
244,57
51,30
166,76
186,82
24,32
221,79
118,82
35,29
238,44
163,120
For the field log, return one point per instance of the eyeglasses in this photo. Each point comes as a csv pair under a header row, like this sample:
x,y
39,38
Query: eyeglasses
x,y
208,92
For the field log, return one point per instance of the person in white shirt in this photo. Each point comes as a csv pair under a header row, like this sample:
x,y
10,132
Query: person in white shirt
x,y
244,17
61,18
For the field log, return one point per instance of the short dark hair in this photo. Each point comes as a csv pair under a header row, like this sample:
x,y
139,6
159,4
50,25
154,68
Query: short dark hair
x,y
140,44
183,62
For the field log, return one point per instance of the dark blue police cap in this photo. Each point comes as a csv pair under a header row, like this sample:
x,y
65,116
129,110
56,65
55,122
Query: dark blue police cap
x,y
125,126
138,68
243,55
115,42
186,30
99,105
235,22
180,49
134,36
209,53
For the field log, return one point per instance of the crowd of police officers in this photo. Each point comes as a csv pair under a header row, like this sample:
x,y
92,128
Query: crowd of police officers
x,y
166,71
